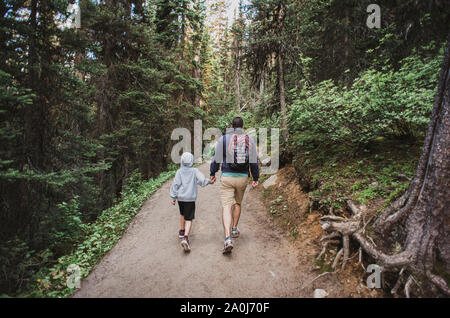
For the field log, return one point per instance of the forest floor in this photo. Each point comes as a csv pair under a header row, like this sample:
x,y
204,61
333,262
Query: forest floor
x,y
291,211
269,259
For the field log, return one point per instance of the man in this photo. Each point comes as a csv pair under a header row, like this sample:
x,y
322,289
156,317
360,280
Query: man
x,y
237,154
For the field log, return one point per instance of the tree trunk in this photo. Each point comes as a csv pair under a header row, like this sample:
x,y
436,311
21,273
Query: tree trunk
x,y
237,74
426,210
282,95
422,214
196,75
197,72
261,83
347,46
282,91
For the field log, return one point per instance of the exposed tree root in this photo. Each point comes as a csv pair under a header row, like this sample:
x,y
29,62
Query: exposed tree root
x,y
313,280
346,243
439,282
354,227
342,227
325,246
360,262
337,258
396,260
399,282
408,286
330,236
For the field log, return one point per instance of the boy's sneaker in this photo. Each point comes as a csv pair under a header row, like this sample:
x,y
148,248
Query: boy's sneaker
x,y
228,246
181,234
235,232
185,244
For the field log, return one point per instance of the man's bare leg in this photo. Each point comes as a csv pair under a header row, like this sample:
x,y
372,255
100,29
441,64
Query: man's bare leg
x,y
236,214
226,220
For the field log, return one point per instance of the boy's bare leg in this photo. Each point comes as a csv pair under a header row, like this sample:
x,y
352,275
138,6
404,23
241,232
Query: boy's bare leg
x,y
182,222
226,220
236,214
188,228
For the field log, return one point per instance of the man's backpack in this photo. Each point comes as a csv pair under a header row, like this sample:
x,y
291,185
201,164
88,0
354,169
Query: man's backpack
x,y
238,150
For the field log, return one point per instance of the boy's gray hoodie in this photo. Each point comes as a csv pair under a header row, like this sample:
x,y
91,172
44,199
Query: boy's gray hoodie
x,y
184,186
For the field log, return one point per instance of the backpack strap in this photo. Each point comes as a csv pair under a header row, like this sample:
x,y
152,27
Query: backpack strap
x,y
224,146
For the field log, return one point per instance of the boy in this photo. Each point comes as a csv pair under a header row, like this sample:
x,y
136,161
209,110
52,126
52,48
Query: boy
x,y
184,189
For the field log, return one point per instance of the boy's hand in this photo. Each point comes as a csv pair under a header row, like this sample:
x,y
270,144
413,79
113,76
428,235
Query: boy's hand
x,y
173,202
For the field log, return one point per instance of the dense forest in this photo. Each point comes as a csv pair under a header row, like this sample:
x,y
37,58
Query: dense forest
x,y
86,112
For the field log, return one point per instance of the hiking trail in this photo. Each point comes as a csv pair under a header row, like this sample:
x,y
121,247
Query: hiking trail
x,y
148,260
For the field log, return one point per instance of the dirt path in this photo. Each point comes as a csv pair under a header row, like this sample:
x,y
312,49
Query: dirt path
x,y
148,261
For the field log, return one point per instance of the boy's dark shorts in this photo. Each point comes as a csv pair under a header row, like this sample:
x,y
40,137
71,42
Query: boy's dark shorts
x,y
187,209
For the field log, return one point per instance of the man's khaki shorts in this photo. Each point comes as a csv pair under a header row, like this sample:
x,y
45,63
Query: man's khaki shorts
x,y
232,190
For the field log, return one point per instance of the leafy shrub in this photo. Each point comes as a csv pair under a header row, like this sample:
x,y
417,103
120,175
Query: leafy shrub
x,y
378,104
65,227
15,258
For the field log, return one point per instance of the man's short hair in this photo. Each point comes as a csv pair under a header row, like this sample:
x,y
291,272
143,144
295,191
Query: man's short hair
x,y
238,122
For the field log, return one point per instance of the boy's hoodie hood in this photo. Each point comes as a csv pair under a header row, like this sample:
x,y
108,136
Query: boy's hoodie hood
x,y
187,160
184,186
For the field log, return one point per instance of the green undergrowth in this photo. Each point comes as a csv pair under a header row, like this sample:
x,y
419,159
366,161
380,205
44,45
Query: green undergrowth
x,y
375,177
379,174
102,235
324,267
280,209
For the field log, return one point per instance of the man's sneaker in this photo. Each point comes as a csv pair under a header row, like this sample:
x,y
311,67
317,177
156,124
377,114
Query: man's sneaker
x,y
185,244
228,246
235,232
181,234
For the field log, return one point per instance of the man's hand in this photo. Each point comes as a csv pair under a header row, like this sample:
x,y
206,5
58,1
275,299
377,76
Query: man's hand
x,y
173,202
255,184
213,179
